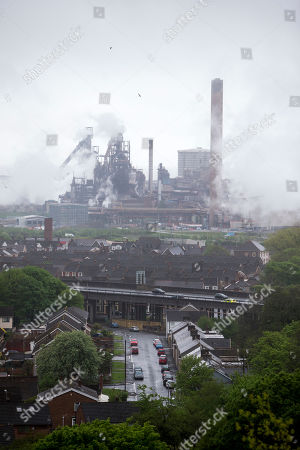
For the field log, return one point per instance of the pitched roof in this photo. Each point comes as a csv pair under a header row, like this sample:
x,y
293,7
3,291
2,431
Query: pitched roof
x,y
117,411
7,434
10,414
17,388
6,311
70,386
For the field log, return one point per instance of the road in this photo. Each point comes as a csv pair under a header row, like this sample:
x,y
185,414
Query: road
x,y
150,294
148,360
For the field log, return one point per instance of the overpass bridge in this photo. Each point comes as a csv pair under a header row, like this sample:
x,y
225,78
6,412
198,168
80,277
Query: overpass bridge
x,y
132,305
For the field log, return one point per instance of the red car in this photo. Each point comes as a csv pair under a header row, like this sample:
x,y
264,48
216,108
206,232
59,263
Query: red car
x,y
133,342
161,351
162,359
134,350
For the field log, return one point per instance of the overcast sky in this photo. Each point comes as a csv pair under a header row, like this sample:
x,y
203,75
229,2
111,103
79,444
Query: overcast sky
x,y
158,74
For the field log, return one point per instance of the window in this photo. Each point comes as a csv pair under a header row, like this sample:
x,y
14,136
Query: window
x,y
206,287
215,288
79,274
73,421
99,306
253,254
5,319
140,277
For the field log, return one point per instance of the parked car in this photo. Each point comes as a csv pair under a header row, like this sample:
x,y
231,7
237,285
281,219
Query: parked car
x,y
159,345
167,378
133,343
155,341
163,359
114,325
160,351
134,328
220,296
164,368
138,373
166,372
134,350
170,384
158,291
230,300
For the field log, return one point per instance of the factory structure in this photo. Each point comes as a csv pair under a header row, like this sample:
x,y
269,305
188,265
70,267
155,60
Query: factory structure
x,y
119,194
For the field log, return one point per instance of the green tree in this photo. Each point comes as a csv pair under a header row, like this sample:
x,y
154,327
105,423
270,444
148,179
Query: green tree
x,y
206,323
192,375
288,238
68,351
281,308
31,290
282,391
103,435
260,427
283,273
277,351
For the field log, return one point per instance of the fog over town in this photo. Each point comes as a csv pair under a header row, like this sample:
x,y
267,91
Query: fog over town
x,y
150,224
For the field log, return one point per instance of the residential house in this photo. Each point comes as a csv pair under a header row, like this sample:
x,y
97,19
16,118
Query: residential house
x,y
6,317
12,423
116,412
65,400
64,320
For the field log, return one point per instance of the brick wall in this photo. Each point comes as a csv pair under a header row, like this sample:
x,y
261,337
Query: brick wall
x,y
62,408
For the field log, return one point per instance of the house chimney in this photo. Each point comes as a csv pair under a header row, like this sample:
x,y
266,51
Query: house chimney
x,y
48,229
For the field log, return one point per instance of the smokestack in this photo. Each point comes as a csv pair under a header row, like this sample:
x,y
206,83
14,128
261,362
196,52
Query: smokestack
x,y
48,229
150,175
216,144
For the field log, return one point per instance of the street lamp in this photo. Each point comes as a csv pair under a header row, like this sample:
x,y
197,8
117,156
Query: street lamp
x,y
125,363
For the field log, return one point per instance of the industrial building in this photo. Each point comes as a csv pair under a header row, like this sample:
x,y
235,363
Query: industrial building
x,y
192,162
68,214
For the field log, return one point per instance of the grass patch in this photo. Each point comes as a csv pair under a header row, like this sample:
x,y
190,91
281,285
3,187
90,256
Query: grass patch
x,y
116,394
118,346
118,372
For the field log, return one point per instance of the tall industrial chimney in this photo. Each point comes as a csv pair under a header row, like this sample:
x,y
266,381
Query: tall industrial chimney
x,y
216,144
48,229
150,175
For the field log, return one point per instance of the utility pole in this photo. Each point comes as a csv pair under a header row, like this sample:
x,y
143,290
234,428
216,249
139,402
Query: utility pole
x,y
125,363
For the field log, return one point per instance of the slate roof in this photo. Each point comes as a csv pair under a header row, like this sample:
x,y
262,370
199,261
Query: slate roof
x,y
18,388
10,416
7,434
183,316
71,385
77,314
6,311
117,411
218,343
